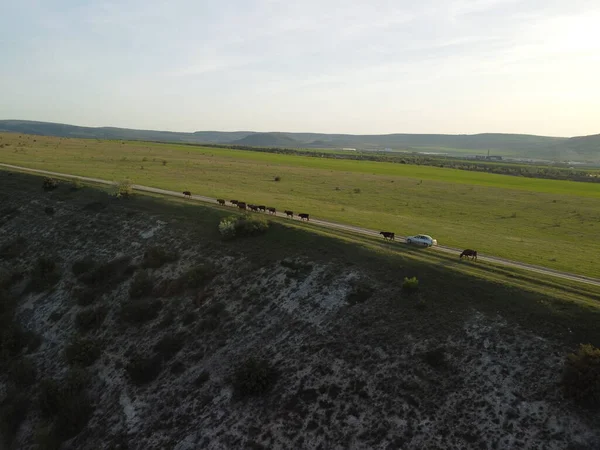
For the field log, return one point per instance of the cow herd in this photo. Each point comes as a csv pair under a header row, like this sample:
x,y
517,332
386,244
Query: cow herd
x,y
255,208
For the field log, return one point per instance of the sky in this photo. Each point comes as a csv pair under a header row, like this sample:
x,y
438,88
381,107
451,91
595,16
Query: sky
x,y
360,67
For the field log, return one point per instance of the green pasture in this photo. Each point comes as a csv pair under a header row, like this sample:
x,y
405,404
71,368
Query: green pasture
x,y
547,222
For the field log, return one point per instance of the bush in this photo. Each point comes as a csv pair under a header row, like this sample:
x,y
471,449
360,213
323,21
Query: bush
x,y
156,257
410,284
140,311
23,373
13,412
82,266
141,285
581,379
124,189
90,318
108,274
44,275
142,370
76,185
66,403
84,296
357,190
277,178
12,249
254,376
49,184
169,345
82,352
198,276
241,226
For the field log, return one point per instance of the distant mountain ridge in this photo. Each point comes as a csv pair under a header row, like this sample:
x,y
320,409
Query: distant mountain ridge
x,y
517,145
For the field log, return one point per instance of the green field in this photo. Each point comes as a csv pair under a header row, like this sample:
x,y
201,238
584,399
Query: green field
x,y
546,222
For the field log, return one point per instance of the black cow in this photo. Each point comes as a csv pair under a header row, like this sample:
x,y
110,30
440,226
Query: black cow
x,y
289,213
187,193
272,210
388,235
233,202
220,201
241,205
303,216
263,208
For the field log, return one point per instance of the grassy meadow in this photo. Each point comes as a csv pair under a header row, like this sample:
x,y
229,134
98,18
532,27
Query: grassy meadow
x,y
547,222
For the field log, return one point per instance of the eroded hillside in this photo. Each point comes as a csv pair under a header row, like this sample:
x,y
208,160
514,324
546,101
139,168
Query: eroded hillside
x,y
136,329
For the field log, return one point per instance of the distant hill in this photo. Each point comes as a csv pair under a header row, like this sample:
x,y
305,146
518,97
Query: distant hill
x,y
268,140
517,145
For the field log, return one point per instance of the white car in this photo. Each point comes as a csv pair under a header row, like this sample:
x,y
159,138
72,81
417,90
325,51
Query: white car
x,y
421,239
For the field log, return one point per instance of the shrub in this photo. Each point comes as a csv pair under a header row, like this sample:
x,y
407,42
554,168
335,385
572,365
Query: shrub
x,y
410,284
84,296
90,318
277,178
169,345
83,352
241,226
198,276
82,266
156,257
359,293
141,285
142,370
12,249
12,413
140,311
44,275
581,379
357,190
23,373
49,184
254,376
76,185
66,403
202,378
124,189
109,274
436,358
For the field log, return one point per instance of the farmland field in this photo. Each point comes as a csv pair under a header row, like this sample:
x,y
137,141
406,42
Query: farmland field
x,y
546,222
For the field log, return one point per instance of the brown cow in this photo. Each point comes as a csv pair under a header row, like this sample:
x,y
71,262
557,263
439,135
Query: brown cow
x,y
303,216
468,252
187,193
220,201
241,205
289,213
388,235
272,210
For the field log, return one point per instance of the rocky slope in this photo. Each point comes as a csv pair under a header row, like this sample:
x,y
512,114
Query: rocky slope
x,y
137,329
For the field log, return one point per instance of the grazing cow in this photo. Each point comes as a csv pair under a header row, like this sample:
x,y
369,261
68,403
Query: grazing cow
x,y
241,205
263,208
187,193
233,202
272,210
303,216
388,235
468,252
289,213
220,201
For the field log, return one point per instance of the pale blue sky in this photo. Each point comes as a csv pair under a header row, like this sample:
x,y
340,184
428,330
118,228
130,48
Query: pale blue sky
x,y
428,66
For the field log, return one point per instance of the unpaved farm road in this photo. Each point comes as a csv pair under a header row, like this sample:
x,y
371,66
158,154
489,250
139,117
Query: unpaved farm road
x,y
333,225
